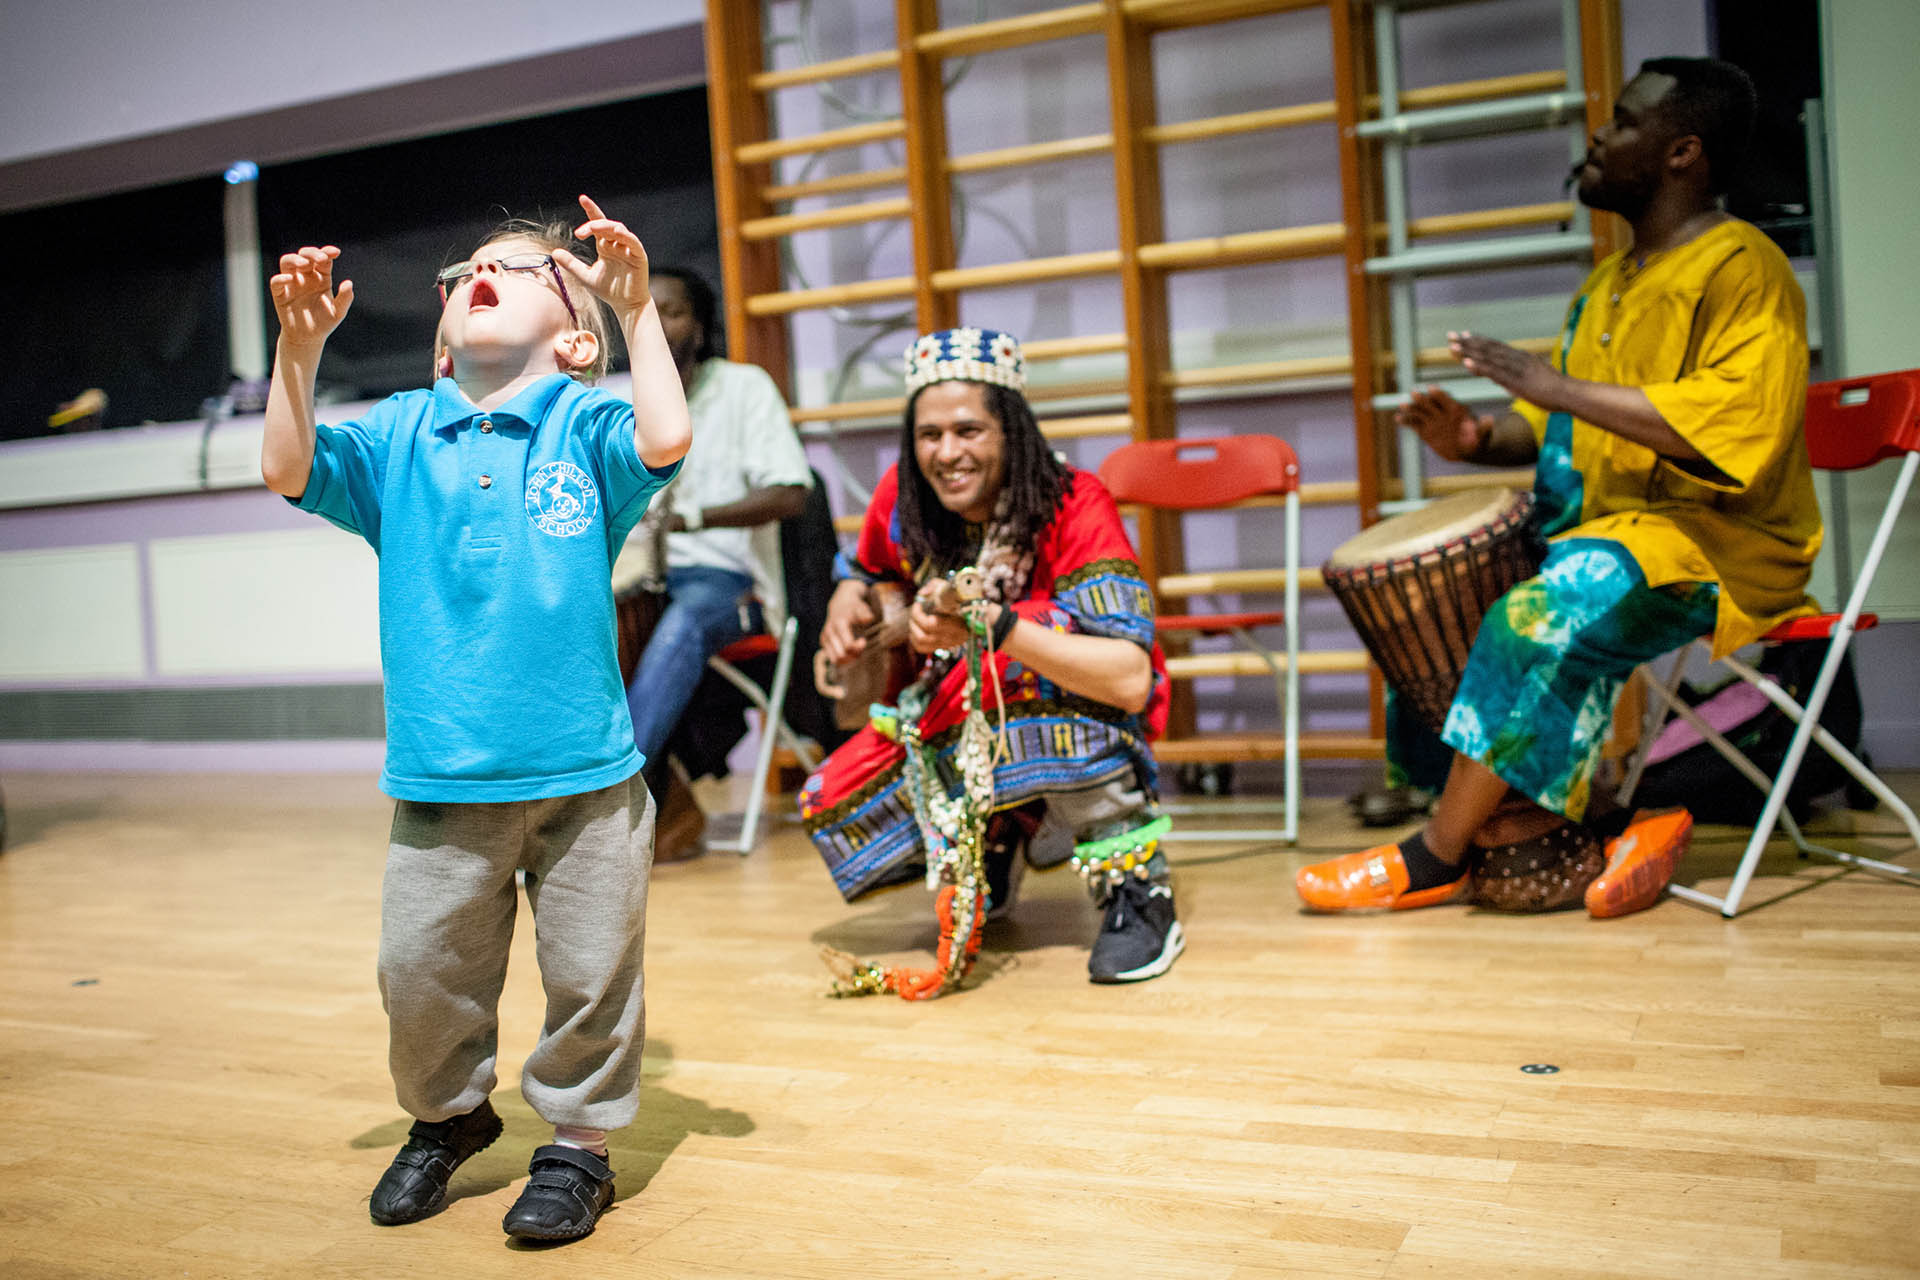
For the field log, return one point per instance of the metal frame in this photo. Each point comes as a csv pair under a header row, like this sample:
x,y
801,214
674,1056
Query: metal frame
x,y
1807,719
757,306
1395,131
773,727
1286,683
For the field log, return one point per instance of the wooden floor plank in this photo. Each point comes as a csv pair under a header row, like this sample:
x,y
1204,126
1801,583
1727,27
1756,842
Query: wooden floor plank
x,y
192,1071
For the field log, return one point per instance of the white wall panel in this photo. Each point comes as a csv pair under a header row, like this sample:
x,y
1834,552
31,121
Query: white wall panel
x,y
243,604
1872,96
71,613
81,73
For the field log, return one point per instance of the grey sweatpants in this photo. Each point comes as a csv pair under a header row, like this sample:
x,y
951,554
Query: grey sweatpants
x,y
447,910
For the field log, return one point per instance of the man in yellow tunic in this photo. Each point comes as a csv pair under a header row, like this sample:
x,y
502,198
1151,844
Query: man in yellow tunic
x,y
1671,479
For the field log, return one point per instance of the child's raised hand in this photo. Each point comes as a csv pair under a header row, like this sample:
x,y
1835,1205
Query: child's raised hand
x,y
619,276
304,297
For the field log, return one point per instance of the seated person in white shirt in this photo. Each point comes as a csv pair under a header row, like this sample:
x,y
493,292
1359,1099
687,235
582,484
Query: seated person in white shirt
x,y
744,474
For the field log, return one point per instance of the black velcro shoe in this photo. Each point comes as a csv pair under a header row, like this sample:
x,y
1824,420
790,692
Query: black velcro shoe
x,y
415,1184
564,1198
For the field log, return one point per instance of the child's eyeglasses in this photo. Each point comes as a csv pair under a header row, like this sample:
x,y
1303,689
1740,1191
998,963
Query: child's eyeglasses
x,y
451,278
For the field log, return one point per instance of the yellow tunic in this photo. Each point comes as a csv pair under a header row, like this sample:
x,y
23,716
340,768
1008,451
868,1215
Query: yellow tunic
x,y
1714,332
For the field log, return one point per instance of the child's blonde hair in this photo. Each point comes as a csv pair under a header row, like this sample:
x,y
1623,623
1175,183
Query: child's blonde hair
x,y
591,312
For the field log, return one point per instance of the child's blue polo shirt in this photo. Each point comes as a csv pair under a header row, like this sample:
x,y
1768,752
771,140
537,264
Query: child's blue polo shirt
x,y
496,533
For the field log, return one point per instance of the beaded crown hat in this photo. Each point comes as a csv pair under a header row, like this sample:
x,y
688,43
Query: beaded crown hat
x,y
966,355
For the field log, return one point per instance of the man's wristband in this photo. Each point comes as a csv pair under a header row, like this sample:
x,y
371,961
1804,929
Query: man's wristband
x,y
1003,626
694,518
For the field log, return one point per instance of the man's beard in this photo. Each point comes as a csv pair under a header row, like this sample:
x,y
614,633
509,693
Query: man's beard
x,y
683,352
1628,199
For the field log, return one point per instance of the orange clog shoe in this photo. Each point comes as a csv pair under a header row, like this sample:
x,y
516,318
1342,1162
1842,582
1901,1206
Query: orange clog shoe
x,y
1640,862
1373,879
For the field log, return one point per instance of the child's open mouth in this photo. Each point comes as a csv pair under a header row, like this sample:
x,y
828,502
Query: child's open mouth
x,y
483,295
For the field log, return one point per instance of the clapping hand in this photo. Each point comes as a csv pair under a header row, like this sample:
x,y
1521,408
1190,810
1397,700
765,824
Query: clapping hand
x,y
1526,376
1445,424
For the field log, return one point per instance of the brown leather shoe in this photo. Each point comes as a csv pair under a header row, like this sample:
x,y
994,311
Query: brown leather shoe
x,y
680,825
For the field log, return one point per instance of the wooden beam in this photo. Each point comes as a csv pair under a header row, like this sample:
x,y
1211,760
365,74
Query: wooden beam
x,y
1350,22
1138,204
1234,582
1093,424
1242,662
1062,348
1519,215
854,135
834,186
1210,127
1167,15
1600,68
1245,247
844,215
833,295
923,104
1211,748
851,410
739,118
1261,371
859,64
1032,153
1004,273
1011,33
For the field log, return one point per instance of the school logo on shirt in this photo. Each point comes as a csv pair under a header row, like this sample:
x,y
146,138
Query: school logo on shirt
x,y
562,500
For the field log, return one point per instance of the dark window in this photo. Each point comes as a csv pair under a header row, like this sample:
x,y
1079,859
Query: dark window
x,y
1777,42
125,294
401,212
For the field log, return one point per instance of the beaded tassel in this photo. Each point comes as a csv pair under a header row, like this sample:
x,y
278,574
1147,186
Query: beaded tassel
x,y
953,828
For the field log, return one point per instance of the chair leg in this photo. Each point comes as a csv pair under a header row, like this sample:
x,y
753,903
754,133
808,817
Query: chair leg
x,y
1860,771
1289,830
1657,713
1291,603
769,734
1752,772
772,726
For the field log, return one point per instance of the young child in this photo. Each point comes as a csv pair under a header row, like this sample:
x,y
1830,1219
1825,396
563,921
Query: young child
x,y
496,502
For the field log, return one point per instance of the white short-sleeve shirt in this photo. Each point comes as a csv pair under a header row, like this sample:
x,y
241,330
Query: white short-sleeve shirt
x,y
742,440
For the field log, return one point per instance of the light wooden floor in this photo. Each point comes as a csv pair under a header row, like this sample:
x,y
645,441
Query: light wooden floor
x,y
193,1081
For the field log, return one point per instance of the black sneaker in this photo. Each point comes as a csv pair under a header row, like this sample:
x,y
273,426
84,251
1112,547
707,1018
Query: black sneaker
x,y
1139,939
415,1184
564,1198
1007,838
1006,865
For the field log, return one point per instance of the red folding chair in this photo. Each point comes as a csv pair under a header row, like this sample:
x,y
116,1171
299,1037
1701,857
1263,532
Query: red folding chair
x,y
1851,423
1199,475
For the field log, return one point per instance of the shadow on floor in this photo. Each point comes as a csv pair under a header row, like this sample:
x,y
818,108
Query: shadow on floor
x,y
637,1152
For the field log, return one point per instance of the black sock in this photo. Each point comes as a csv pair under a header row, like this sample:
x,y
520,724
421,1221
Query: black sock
x,y
1424,870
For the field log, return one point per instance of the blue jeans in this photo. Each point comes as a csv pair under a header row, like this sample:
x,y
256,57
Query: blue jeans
x,y
705,613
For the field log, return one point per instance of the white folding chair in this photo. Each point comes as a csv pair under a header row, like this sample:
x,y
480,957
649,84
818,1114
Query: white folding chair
x,y
773,727
1200,474
1851,423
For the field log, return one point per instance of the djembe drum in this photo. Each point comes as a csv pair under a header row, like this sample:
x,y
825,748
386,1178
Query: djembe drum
x,y
1416,586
